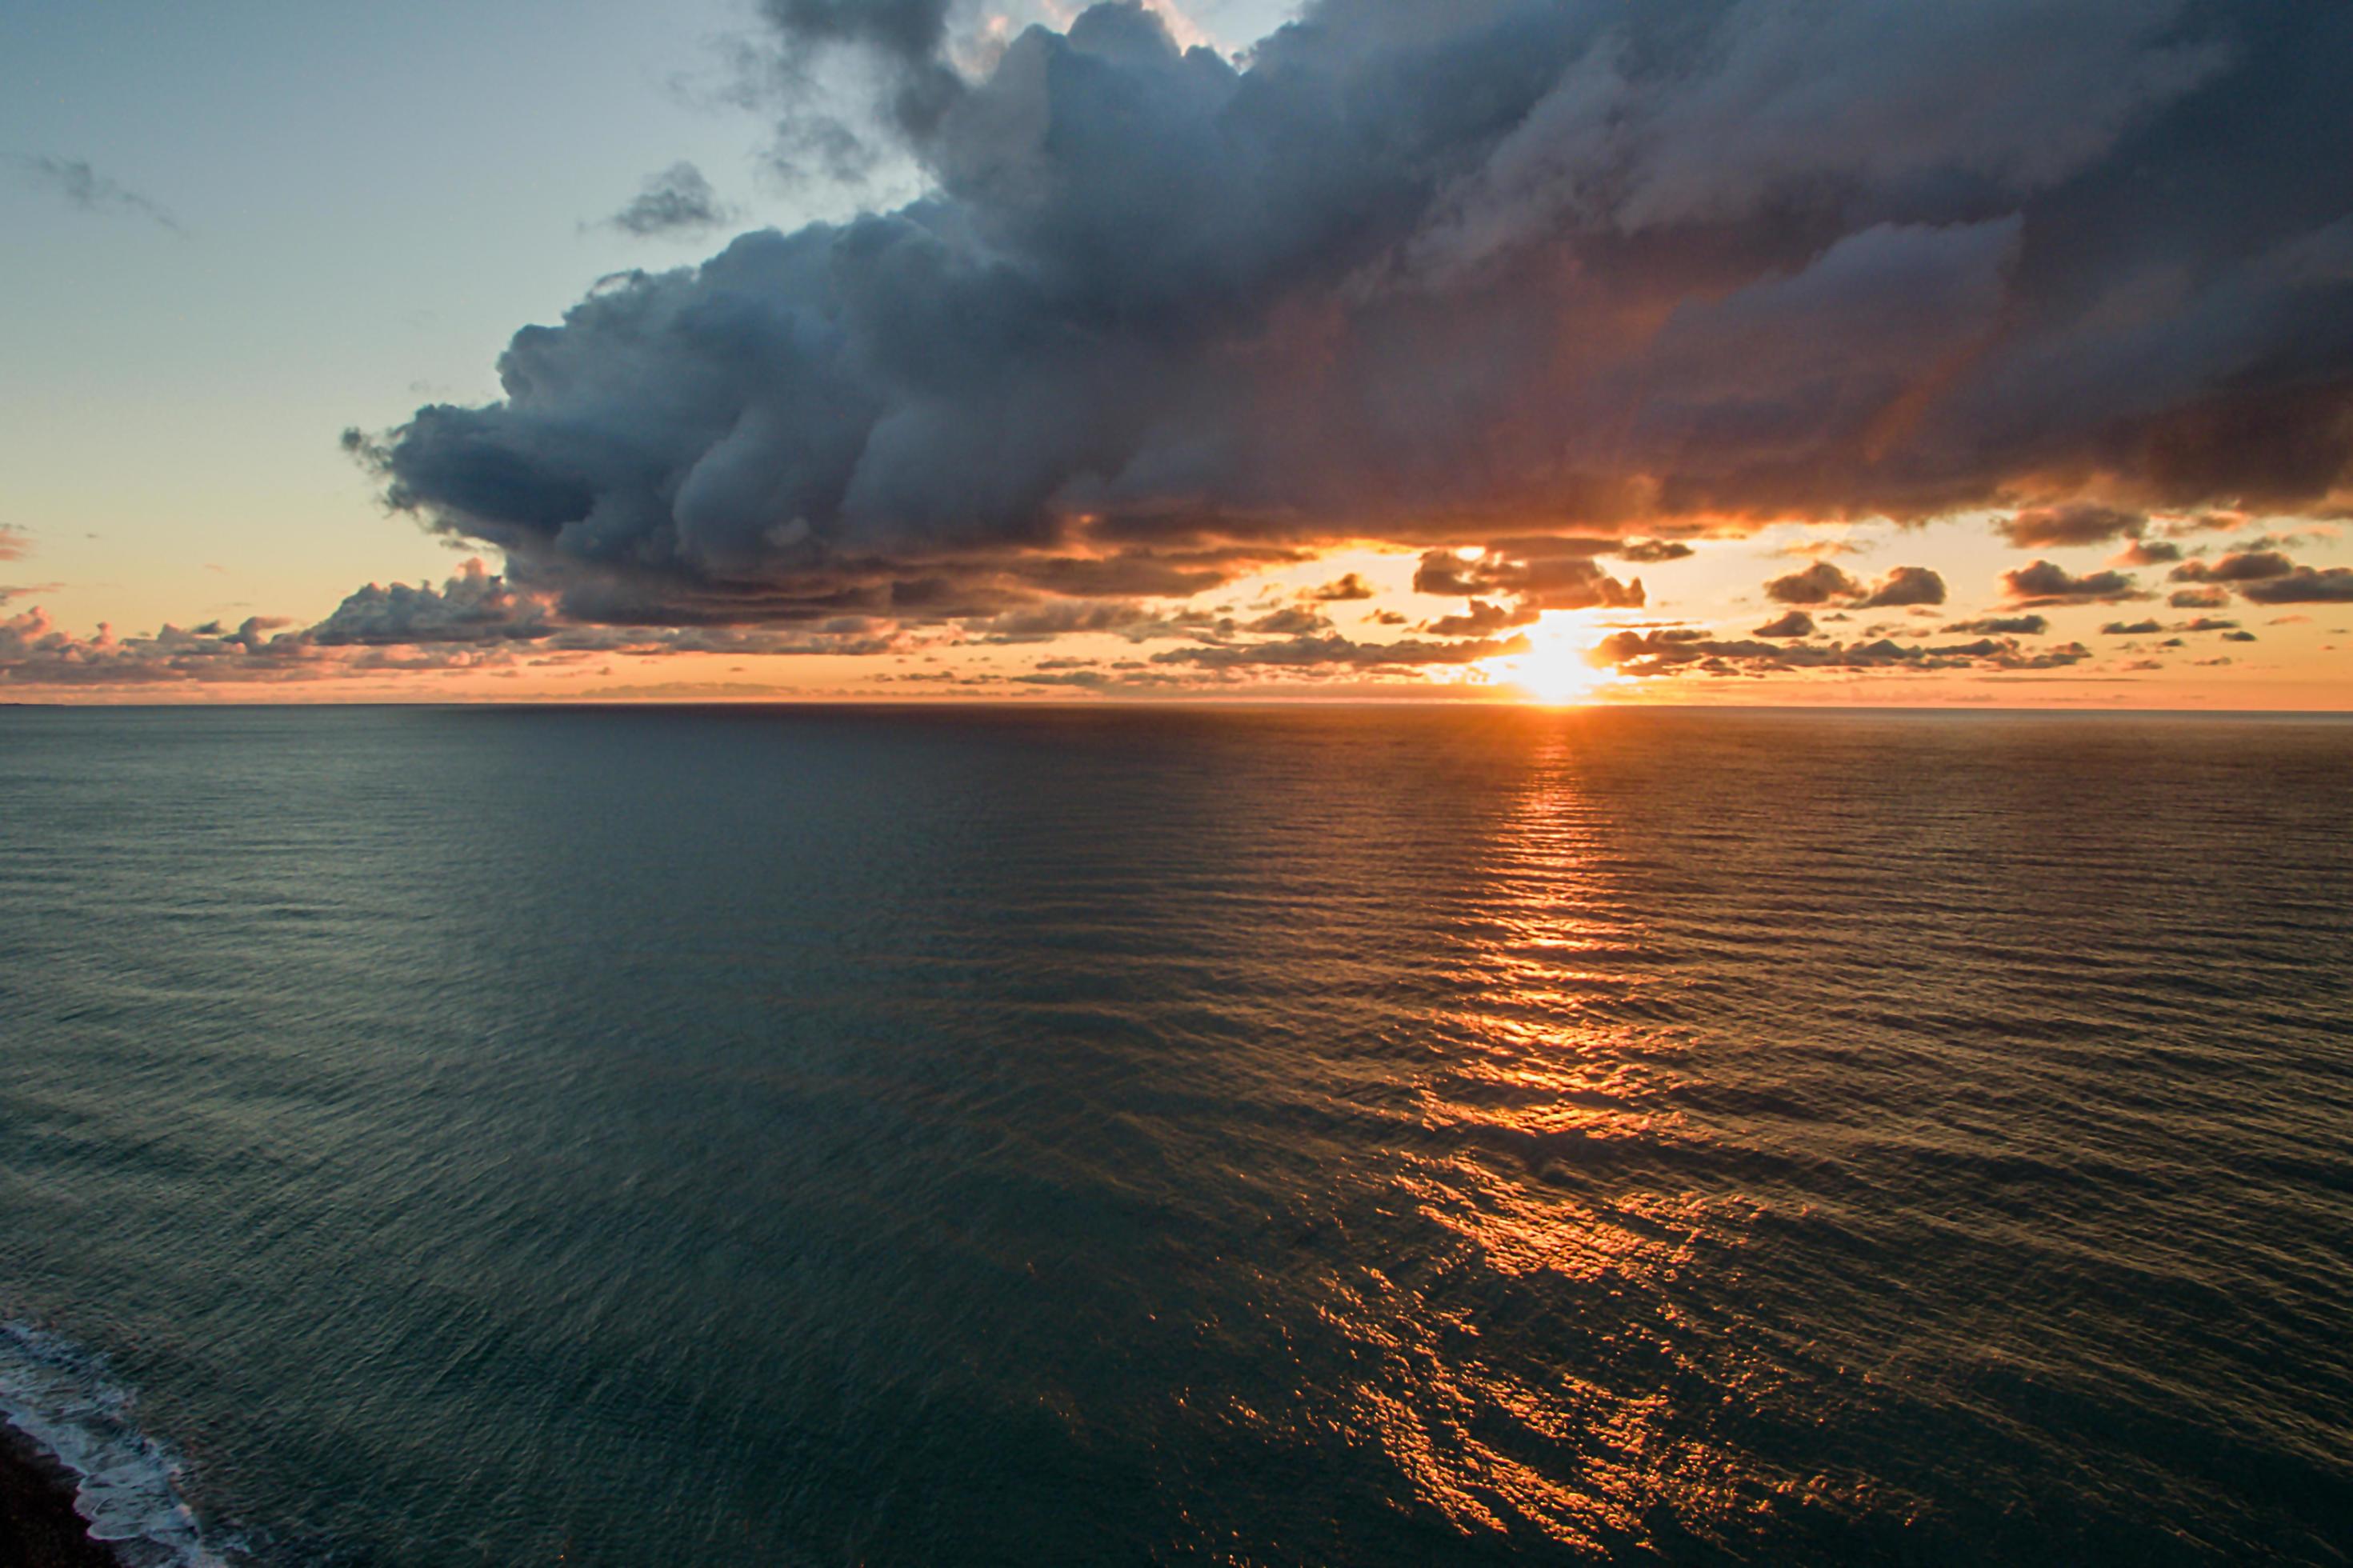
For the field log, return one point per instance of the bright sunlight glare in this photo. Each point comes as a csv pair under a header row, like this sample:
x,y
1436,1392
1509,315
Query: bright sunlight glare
x,y
1556,668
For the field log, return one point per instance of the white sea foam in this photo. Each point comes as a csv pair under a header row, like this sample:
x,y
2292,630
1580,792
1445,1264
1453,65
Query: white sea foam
x,y
61,1397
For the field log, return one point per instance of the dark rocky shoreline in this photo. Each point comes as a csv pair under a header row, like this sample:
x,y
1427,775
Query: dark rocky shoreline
x,y
38,1526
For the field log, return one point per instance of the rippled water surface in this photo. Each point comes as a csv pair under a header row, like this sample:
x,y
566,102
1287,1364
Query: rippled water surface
x,y
656,1136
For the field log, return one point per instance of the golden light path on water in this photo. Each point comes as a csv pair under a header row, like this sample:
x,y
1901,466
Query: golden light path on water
x,y
1547,1118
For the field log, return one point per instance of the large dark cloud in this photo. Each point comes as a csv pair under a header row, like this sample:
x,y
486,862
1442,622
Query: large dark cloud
x,y
1421,274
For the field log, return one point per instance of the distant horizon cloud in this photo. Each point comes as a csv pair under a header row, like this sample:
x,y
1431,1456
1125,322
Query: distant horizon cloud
x,y
83,186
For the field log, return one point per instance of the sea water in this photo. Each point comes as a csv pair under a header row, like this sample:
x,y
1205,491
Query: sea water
x,y
1373,1135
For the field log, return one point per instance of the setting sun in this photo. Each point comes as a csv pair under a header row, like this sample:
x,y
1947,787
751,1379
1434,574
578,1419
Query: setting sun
x,y
1556,668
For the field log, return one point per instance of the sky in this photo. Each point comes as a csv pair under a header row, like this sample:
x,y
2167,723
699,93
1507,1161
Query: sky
x,y
1741,351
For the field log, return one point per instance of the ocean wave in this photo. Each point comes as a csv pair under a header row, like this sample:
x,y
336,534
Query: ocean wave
x,y
60,1395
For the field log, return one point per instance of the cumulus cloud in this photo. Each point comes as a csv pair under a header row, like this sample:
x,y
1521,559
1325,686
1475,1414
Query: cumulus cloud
x,y
2002,626
1349,585
1906,585
1823,583
1291,620
2046,583
1817,584
2147,553
1651,551
678,201
82,187
1424,275
2302,585
475,606
1539,572
1483,619
2243,566
1796,623
2044,528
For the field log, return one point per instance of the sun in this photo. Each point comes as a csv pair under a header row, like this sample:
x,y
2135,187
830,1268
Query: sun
x,y
1554,670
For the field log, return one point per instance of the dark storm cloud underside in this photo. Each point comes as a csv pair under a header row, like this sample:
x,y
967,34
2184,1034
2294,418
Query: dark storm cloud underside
x,y
1415,272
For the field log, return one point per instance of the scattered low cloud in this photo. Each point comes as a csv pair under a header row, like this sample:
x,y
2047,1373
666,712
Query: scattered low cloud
x,y
475,621
1678,652
1333,651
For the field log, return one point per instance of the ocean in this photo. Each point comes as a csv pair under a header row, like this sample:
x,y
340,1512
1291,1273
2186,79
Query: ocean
x,y
1366,1135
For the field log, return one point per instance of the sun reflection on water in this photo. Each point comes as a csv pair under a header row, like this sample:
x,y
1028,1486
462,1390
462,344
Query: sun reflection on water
x,y
1529,1372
